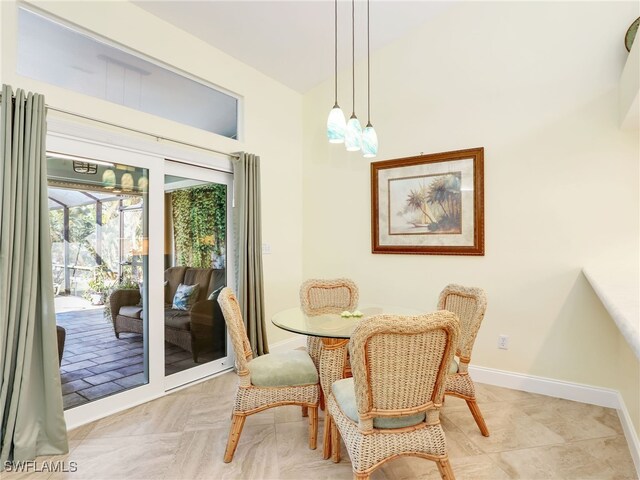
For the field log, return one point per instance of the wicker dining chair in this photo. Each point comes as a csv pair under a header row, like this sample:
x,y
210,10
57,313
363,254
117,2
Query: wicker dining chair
x,y
469,304
267,381
318,296
390,407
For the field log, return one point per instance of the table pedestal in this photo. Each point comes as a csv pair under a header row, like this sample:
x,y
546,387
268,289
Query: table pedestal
x,y
332,368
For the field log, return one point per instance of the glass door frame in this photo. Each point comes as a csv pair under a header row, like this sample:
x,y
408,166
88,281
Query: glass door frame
x,y
85,141
197,172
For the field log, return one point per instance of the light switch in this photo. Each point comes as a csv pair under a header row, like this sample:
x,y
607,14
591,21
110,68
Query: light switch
x,y
266,248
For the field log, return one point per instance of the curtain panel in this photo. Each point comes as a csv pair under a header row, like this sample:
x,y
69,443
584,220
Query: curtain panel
x,y
247,222
31,409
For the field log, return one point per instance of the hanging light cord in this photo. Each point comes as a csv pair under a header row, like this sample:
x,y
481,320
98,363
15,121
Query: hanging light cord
x,y
353,55
368,71
335,74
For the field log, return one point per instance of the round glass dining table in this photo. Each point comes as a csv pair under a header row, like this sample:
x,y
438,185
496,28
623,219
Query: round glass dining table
x,y
331,325
335,331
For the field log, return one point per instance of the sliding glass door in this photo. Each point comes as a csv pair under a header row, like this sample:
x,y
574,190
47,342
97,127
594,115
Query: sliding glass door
x,y
98,215
196,253
141,248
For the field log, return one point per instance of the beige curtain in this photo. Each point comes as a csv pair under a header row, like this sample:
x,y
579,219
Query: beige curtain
x,y
32,419
248,237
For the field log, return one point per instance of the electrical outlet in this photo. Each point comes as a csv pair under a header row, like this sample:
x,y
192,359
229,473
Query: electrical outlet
x,y
503,342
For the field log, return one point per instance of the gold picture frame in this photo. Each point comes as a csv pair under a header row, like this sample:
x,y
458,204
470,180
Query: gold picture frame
x,y
429,205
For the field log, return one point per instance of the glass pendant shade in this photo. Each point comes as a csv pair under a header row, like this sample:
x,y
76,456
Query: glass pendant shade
x,y
109,179
353,135
336,125
127,182
369,142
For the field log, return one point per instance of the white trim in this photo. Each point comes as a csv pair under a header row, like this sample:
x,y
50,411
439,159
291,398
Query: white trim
x,y
63,128
288,344
629,433
199,380
577,392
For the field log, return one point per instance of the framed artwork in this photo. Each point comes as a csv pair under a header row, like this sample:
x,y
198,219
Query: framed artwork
x,y
429,205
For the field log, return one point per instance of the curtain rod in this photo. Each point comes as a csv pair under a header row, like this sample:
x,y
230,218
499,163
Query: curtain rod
x,y
142,132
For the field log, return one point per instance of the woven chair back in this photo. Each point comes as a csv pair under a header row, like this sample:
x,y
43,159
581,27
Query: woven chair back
x,y
469,304
237,331
319,296
400,363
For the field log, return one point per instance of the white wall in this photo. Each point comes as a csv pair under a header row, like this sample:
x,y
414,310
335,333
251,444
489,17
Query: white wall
x,y
535,84
268,105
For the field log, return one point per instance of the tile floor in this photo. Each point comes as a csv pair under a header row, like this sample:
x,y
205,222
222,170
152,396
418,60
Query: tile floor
x,y
183,435
96,364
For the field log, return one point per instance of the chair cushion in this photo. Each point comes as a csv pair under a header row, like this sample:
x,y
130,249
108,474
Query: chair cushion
x,y
453,367
185,297
174,276
283,370
345,395
177,319
200,277
132,311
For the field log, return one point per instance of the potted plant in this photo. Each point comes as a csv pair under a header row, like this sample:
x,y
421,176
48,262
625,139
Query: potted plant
x,y
98,287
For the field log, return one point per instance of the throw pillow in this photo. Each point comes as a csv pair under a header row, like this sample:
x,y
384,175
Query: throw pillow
x,y
185,297
214,295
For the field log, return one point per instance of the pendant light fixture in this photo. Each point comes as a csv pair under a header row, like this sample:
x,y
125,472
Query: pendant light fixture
x,y
353,133
369,136
336,122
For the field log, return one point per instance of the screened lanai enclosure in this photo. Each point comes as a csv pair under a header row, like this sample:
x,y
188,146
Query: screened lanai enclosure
x,y
96,241
98,225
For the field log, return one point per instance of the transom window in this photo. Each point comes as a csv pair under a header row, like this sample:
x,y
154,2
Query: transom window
x,y
59,55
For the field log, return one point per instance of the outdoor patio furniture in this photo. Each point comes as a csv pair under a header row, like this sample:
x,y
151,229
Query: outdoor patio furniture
x,y
62,335
198,329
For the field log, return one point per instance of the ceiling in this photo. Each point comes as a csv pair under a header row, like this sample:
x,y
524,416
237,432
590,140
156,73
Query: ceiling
x,y
292,41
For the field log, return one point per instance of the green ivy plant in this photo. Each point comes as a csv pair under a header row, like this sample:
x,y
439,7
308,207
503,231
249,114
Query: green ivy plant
x,y
199,224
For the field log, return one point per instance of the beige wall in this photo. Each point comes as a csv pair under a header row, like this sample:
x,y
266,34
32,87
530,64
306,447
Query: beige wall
x,y
269,108
529,82
538,90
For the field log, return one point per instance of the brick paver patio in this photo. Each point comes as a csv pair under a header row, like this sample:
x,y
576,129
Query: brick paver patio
x,y
96,364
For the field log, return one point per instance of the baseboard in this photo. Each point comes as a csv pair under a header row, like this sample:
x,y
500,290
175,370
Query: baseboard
x,y
629,433
292,343
603,397
546,386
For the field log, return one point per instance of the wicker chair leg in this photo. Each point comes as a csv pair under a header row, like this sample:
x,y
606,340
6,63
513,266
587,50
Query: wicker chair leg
x,y
321,400
360,476
313,427
326,436
335,443
305,411
446,472
477,415
234,436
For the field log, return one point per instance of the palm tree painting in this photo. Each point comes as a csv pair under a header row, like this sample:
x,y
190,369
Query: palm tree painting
x,y
431,204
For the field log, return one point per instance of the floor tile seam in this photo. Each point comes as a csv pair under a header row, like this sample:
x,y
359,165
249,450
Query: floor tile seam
x,y
533,447
130,435
488,456
604,437
554,444
277,446
173,457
